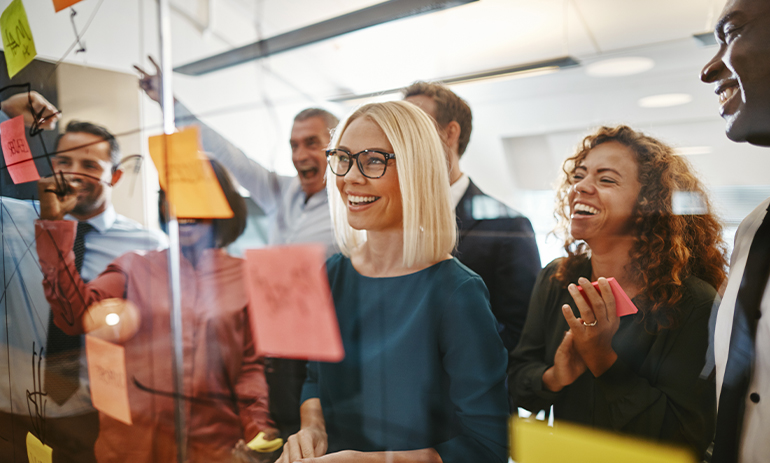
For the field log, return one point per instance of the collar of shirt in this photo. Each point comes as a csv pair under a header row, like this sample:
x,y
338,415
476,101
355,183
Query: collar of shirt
x,y
101,222
458,189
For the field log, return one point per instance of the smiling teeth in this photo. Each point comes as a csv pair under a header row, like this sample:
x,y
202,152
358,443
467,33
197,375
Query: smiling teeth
x,y
585,208
726,94
361,199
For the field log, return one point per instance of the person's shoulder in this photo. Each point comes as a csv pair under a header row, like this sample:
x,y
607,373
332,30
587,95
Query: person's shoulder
x,y
698,292
335,260
552,266
124,225
487,208
14,205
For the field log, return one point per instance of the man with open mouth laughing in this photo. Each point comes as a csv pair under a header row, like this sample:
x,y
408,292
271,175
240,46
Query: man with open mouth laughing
x,y
740,72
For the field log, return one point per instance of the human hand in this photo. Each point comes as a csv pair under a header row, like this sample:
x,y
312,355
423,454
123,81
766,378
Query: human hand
x,y
567,366
34,107
309,442
598,323
57,197
150,83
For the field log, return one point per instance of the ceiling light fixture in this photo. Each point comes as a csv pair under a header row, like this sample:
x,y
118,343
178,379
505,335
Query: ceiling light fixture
x,y
334,27
692,150
617,67
521,70
665,100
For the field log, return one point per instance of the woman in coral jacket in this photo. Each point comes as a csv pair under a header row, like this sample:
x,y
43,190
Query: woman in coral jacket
x,y
224,384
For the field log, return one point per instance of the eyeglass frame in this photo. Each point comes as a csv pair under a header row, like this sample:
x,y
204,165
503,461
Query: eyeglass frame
x,y
388,157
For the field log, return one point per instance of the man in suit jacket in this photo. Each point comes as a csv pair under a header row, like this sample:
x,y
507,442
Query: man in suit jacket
x,y
495,241
740,72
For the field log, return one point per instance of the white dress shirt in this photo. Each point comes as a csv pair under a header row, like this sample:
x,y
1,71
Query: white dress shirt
x,y
458,189
26,309
755,441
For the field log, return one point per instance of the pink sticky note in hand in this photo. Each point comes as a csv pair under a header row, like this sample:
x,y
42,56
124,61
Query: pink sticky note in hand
x,y
623,304
107,375
290,303
16,151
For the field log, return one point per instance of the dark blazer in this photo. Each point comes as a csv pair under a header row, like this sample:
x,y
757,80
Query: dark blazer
x,y
498,243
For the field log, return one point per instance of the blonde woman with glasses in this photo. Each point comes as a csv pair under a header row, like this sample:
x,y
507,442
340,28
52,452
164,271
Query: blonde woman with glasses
x,y
424,368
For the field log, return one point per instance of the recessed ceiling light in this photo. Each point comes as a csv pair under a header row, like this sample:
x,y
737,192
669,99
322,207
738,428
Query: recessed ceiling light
x,y
692,150
665,100
617,67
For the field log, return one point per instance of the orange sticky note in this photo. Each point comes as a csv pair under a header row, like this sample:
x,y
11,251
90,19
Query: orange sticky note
x,y
623,304
290,303
37,452
192,186
16,151
107,376
59,5
18,44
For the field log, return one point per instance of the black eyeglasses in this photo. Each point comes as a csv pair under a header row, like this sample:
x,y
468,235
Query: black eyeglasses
x,y
371,163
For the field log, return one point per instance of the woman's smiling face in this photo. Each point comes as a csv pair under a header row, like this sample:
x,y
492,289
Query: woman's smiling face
x,y
605,189
372,204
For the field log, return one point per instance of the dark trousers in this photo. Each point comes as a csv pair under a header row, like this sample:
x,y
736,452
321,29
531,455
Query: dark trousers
x,y
285,379
72,438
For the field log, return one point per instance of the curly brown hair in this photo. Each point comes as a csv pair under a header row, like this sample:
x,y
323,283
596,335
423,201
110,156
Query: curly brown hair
x,y
668,247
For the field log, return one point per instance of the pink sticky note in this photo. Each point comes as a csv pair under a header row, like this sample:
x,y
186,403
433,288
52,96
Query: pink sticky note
x,y
107,375
291,309
623,304
16,151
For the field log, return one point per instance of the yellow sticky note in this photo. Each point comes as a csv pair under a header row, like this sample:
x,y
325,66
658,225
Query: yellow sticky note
x,y
18,45
535,442
190,183
37,452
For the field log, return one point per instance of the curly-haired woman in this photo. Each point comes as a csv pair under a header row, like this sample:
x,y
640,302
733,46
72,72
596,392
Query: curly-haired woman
x,y
639,374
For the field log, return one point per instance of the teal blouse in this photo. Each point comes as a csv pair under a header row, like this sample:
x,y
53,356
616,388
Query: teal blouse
x,y
424,365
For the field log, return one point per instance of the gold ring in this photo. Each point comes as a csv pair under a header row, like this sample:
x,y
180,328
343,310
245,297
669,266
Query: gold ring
x,y
590,324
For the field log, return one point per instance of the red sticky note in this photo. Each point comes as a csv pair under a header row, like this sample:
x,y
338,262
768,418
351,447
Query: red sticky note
x,y
623,304
59,5
16,151
107,376
290,303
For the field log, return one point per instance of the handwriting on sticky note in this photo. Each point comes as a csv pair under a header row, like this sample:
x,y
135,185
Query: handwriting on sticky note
x,y
18,45
533,441
623,304
37,452
107,376
59,5
290,304
16,151
188,180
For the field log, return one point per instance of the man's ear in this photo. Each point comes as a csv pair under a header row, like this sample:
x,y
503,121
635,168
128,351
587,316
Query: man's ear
x,y
116,176
452,134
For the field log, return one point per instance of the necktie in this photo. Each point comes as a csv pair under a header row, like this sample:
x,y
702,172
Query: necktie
x,y
740,360
62,367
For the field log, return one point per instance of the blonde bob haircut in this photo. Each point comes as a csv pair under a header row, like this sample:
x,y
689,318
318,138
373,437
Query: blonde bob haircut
x,y
428,216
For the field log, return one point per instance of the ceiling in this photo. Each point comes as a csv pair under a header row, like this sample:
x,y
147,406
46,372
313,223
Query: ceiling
x,y
253,104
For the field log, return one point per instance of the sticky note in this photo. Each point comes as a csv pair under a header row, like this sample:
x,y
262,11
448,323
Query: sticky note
x,y
623,304
59,5
18,45
534,442
290,303
191,185
107,377
16,151
37,452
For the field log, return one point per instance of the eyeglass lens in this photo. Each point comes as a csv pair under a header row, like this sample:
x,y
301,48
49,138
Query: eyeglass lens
x,y
371,163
